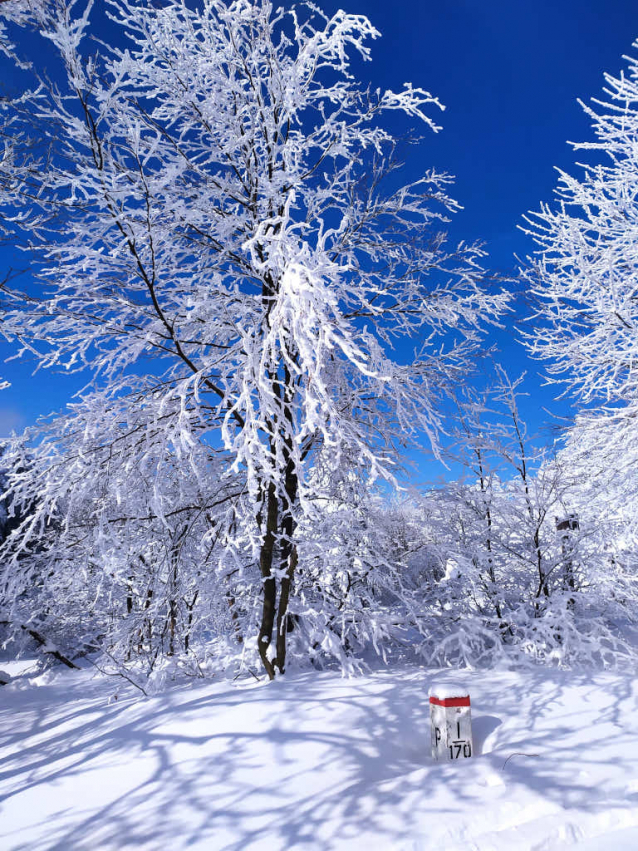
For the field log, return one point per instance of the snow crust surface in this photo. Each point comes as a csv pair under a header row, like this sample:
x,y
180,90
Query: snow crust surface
x,y
315,761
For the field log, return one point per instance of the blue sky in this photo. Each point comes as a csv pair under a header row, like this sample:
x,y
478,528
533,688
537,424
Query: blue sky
x,y
509,73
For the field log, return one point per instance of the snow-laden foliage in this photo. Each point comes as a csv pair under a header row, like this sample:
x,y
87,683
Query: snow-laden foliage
x,y
219,237
20,12
103,565
584,278
535,566
585,275
487,609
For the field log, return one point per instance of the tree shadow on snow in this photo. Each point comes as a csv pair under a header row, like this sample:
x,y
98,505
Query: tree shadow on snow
x,y
307,762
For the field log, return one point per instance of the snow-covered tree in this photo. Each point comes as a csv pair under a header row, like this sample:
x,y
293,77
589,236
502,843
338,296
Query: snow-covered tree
x,y
534,568
585,280
222,240
120,565
585,275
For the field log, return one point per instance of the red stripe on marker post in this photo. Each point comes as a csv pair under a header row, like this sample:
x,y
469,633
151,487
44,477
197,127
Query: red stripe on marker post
x,y
451,701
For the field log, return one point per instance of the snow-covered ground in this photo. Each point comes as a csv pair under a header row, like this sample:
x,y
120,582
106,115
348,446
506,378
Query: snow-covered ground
x,y
315,761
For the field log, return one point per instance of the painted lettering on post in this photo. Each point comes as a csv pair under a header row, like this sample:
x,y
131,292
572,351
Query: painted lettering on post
x,y
451,723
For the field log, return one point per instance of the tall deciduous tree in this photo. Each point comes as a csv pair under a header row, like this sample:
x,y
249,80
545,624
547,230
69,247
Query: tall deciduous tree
x,y
223,241
585,276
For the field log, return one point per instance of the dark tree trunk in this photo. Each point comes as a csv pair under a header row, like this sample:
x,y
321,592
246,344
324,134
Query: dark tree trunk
x,y
190,606
266,556
280,529
234,615
567,526
172,607
129,595
37,636
288,562
280,499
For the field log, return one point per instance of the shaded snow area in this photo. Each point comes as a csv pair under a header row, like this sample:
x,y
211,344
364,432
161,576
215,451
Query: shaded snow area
x,y
315,761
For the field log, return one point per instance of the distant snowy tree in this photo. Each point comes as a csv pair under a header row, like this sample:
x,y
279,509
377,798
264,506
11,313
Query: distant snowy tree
x,y
534,569
222,240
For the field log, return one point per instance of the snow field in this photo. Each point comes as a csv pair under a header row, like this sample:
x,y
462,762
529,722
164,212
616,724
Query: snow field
x,y
315,761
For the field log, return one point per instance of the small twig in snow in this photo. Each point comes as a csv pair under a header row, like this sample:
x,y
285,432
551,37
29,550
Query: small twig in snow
x,y
250,671
118,673
518,753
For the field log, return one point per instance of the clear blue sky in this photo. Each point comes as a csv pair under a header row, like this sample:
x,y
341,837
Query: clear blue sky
x,y
509,73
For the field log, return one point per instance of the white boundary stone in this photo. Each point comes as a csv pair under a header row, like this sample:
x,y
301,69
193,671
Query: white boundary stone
x,y
451,721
